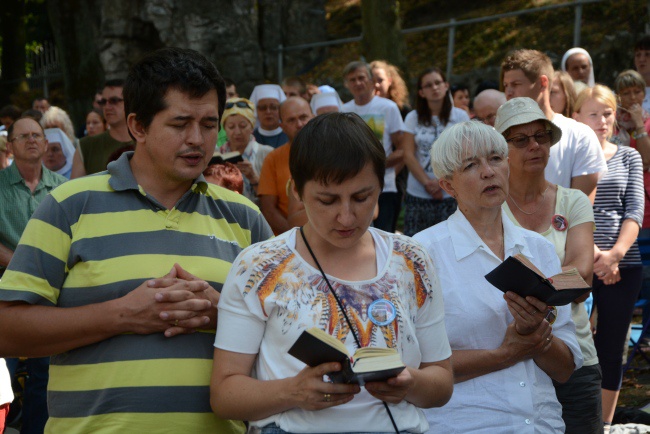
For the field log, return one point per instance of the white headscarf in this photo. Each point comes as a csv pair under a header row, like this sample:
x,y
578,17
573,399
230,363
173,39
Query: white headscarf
x,y
56,135
324,100
577,50
263,91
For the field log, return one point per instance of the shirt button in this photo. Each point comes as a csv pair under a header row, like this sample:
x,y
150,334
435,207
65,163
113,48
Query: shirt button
x,y
527,421
522,384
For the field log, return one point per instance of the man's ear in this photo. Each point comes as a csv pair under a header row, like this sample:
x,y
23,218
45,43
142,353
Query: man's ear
x,y
136,128
544,81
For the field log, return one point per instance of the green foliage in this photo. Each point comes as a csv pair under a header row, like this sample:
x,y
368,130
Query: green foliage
x,y
484,45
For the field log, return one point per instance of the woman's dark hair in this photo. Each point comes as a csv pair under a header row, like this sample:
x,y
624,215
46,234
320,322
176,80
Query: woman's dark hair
x,y
181,69
422,106
334,147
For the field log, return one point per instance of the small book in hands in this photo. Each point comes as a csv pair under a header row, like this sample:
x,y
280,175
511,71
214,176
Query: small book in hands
x,y
315,347
233,157
519,275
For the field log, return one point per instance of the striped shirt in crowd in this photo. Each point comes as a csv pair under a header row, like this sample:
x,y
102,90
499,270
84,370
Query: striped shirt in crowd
x,y
620,196
96,239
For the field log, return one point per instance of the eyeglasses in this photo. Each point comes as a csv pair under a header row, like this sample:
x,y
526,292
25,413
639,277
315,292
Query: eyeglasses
x,y
112,101
240,104
432,84
521,141
22,138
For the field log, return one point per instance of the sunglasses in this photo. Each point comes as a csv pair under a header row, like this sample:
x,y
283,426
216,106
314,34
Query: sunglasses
x,y
521,141
112,101
240,104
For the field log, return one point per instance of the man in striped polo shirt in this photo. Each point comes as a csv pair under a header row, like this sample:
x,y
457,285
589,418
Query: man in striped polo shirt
x,y
104,276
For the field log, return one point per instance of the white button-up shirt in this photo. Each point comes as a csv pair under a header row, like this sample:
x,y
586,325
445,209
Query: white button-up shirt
x,y
519,399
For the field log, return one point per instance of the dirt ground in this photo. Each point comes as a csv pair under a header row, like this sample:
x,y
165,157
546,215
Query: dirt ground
x,y
635,392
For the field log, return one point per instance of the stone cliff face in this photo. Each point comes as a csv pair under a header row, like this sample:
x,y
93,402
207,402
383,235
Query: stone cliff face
x,y
239,36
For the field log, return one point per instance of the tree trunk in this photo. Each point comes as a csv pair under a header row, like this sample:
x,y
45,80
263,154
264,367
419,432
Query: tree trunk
x,y
75,24
14,37
381,26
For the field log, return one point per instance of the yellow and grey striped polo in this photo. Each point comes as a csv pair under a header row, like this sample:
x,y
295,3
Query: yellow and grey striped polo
x,y
97,238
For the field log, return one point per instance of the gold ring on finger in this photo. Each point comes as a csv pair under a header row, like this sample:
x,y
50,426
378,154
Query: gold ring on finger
x,y
327,397
176,323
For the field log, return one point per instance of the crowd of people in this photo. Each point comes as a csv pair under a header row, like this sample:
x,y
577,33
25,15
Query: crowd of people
x,y
164,292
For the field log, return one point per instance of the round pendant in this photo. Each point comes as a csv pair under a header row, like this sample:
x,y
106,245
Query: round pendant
x,y
382,312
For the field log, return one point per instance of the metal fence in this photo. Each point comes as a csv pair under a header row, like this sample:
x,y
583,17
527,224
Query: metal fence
x,y
45,66
451,25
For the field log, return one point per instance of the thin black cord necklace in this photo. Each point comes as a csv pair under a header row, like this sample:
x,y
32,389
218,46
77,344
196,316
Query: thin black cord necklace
x,y
338,302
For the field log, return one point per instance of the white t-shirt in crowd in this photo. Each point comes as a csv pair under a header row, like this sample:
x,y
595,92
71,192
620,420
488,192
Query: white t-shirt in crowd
x,y
518,399
577,153
424,136
272,295
6,393
383,117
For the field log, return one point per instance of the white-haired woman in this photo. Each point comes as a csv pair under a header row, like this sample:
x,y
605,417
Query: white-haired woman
x,y
504,352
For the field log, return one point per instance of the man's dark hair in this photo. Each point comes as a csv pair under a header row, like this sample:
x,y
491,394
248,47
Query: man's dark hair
x,y
643,43
42,98
10,130
334,147
229,82
10,111
115,82
180,69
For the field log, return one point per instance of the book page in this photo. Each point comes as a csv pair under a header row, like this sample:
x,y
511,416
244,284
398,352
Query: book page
x,y
524,260
379,361
568,279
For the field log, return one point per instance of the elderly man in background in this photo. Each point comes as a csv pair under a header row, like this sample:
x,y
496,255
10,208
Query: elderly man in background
x,y
275,175
23,186
486,105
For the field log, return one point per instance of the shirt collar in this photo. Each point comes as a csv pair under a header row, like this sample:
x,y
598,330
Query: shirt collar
x,y
47,177
122,178
466,241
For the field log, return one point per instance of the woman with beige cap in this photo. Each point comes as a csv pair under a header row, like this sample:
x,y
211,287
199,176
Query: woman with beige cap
x,y
564,216
238,120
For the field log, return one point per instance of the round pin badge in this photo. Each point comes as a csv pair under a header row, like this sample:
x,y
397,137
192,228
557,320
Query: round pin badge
x,y
382,312
559,223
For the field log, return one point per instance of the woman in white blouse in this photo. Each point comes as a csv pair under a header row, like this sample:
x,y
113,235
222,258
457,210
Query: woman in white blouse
x,y
504,352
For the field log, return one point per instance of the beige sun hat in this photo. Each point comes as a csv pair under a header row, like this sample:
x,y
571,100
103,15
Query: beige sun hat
x,y
519,111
